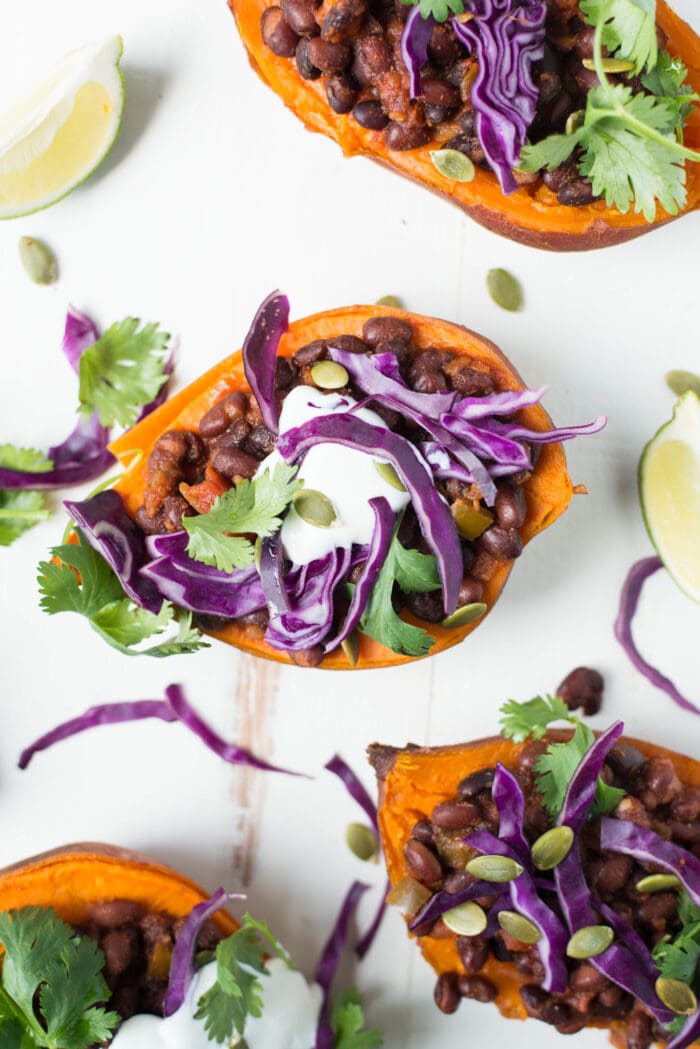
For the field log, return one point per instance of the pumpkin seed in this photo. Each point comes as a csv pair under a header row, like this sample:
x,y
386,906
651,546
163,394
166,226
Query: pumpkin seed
x,y
314,507
590,941
677,996
494,868
552,847
362,841
351,648
658,883
329,375
610,65
471,523
38,260
504,289
465,614
680,382
453,164
469,919
390,300
574,121
387,473
519,927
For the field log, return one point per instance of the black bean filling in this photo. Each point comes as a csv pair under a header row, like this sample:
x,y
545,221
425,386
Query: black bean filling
x,y
354,46
437,857
186,470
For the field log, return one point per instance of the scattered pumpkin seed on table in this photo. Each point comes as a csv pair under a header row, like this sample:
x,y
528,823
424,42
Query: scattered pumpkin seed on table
x,y
679,382
362,841
390,300
504,289
38,260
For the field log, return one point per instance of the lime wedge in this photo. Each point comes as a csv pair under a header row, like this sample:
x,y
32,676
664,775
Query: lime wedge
x,y
61,131
669,489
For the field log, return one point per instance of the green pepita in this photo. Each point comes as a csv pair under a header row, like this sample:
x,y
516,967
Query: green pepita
x,y
329,375
574,121
387,473
453,164
314,507
610,65
471,523
552,847
392,301
465,614
504,289
677,996
494,868
519,927
658,883
38,260
590,941
362,841
469,919
680,382
351,648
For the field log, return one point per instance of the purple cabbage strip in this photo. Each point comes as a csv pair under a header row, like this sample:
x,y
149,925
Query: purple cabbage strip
x,y
487,445
504,403
260,354
330,959
364,944
645,846
272,575
376,556
629,601
442,464
507,39
414,47
79,333
565,433
630,939
442,901
432,511
354,787
108,714
580,793
310,590
510,801
687,1035
182,964
64,476
523,895
110,531
379,376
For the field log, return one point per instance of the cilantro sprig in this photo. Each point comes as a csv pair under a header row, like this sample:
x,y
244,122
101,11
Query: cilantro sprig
x,y
78,580
348,1021
555,768
252,507
679,958
21,509
415,573
52,987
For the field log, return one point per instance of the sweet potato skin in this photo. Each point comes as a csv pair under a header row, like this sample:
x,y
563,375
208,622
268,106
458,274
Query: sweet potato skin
x,y
536,220
412,780
548,490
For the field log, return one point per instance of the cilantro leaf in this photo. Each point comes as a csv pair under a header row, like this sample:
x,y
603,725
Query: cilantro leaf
x,y
122,371
628,28
252,507
347,1021
52,984
415,574
440,10
679,958
667,80
20,509
555,770
237,993
520,721
550,152
78,580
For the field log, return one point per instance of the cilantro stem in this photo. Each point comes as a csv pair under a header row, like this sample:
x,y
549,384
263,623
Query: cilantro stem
x,y
30,515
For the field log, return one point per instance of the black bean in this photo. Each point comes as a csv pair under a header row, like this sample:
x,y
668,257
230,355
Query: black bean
x,y
658,909
424,863
454,815
372,59
115,914
440,93
261,441
175,507
299,14
179,447
470,591
370,115
640,1033
469,145
427,606
614,872
305,66
210,623
425,374
470,382
259,618
686,804
499,950
549,87
328,57
378,330
623,758
583,687
473,953
235,436
285,373
308,657
119,949
478,988
530,754
585,977
576,194
660,781
457,881
344,21
312,352
232,462
277,34
423,831
403,137
349,343
476,782
510,505
341,92
444,47
533,998
466,118
503,544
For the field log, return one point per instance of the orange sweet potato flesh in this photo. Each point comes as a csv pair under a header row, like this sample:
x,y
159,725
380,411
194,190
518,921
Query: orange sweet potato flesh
x,y
532,218
548,490
413,781
72,878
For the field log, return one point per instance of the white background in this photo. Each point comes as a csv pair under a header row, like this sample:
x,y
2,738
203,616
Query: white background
x,y
213,196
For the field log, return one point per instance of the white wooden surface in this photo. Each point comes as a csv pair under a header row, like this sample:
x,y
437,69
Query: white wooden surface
x,y
213,196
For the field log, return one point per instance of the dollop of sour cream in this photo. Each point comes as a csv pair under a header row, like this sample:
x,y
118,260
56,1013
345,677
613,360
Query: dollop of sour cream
x,y
288,1021
347,477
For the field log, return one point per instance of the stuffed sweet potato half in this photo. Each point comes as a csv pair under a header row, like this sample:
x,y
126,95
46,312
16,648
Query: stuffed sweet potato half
x,y
557,876
102,946
521,112
350,491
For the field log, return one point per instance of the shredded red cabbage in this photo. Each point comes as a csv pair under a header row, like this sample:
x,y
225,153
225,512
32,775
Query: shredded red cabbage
x,y
510,801
79,333
630,939
197,587
364,944
414,47
486,444
645,846
505,403
442,464
507,38
182,964
688,1034
173,708
629,601
432,511
260,354
310,591
376,556
272,575
581,790
563,433
441,902
330,959
354,787
110,531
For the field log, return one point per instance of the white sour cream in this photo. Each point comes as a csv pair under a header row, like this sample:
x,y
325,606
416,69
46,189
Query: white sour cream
x,y
288,1021
347,477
